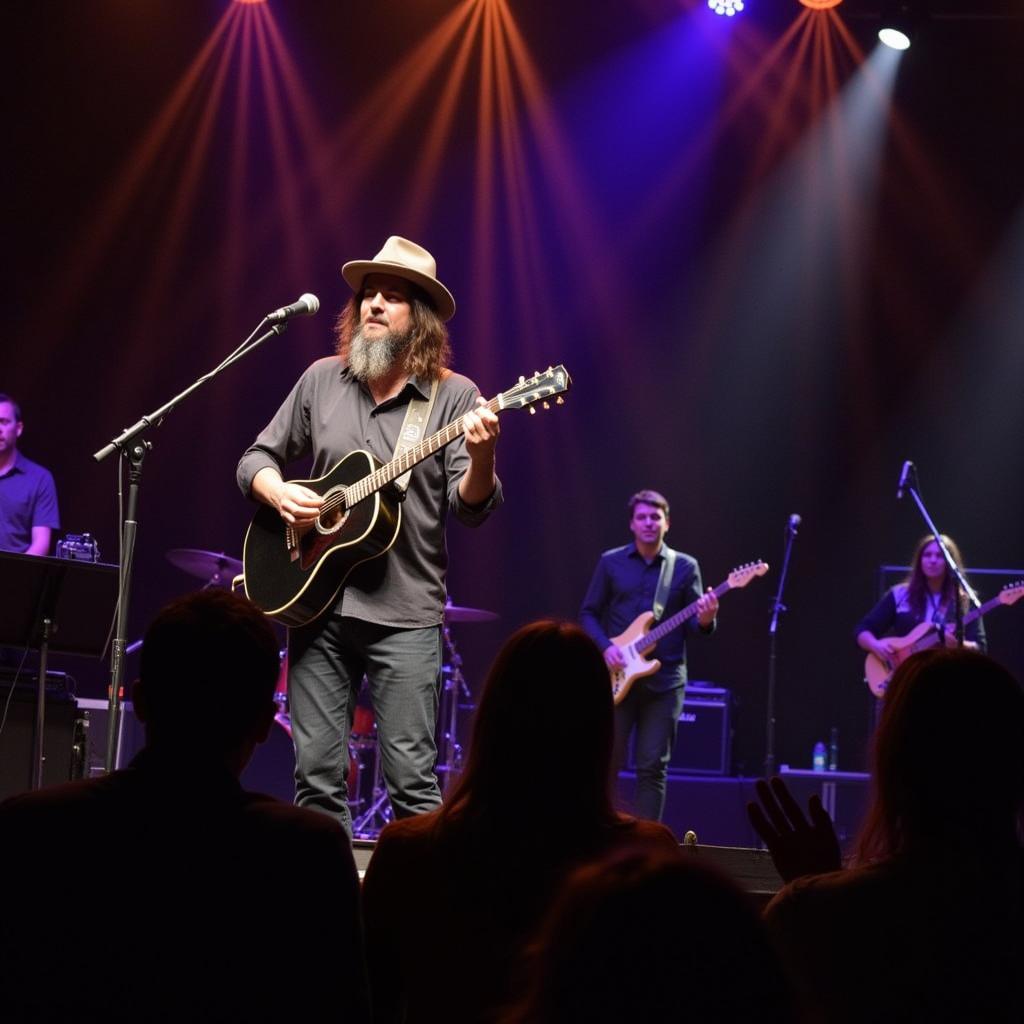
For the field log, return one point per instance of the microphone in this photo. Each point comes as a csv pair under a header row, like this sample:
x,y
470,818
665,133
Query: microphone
x,y
794,522
307,305
908,469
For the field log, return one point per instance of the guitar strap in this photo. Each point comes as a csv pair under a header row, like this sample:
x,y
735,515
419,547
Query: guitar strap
x,y
668,564
413,426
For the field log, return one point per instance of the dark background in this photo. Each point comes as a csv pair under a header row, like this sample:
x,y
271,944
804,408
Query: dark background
x,y
771,282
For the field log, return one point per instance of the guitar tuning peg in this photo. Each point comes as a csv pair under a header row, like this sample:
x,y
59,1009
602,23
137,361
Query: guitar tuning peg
x,y
536,373
522,380
559,400
547,405
533,410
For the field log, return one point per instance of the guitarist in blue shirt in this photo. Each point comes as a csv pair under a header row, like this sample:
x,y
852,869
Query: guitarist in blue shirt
x,y
385,621
625,584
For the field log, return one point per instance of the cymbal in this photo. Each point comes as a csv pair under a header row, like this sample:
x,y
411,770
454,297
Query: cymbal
x,y
455,613
213,566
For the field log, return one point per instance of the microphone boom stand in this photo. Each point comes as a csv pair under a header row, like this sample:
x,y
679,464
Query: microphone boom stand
x,y
777,609
133,448
962,586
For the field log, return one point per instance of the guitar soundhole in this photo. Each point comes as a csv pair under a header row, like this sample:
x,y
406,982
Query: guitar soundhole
x,y
333,513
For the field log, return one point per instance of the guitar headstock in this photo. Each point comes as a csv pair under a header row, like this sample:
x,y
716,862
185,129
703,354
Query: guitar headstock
x,y
1012,592
552,383
743,574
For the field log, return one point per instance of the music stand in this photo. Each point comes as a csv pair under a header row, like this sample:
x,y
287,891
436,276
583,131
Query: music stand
x,y
54,604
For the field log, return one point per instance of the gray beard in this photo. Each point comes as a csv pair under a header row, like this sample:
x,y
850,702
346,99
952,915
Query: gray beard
x,y
372,360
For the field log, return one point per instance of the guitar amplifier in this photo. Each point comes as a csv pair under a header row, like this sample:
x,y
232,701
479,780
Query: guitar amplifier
x,y
704,737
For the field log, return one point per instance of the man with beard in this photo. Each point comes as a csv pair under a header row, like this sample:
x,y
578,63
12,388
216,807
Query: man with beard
x,y
385,624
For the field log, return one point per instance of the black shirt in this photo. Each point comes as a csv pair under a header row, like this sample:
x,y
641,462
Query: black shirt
x,y
330,413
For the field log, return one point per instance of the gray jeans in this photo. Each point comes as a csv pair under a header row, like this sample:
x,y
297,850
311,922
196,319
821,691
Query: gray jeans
x,y
654,718
326,664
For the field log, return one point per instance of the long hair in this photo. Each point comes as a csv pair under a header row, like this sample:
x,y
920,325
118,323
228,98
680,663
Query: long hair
x,y
429,351
545,714
641,933
948,757
917,585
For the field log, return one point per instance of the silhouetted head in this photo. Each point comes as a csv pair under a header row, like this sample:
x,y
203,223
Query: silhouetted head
x,y
948,756
544,725
209,668
645,935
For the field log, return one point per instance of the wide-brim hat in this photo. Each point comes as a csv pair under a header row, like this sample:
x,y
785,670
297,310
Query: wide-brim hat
x,y
402,258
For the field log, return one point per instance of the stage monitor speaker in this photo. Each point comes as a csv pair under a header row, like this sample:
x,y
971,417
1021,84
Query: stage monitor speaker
x,y
16,738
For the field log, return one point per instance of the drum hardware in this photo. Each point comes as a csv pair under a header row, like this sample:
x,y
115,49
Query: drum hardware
x,y
457,613
214,567
455,696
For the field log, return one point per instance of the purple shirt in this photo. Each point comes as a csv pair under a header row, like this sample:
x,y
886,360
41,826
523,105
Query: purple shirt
x,y
27,498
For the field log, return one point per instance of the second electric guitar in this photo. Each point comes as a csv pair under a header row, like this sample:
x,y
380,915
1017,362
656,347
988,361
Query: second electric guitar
x,y
294,574
924,635
638,639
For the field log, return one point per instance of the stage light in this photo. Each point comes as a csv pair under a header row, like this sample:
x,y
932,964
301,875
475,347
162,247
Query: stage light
x,y
821,5
726,7
899,19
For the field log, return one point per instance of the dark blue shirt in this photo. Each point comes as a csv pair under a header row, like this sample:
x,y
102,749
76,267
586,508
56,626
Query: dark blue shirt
x,y
27,498
623,586
893,616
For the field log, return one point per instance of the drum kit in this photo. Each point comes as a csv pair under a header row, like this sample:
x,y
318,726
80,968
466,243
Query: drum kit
x,y
271,769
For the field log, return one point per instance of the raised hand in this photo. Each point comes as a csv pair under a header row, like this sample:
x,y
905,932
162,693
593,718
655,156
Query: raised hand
x,y
798,846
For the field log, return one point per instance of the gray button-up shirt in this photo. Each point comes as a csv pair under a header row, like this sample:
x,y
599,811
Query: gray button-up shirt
x,y
330,414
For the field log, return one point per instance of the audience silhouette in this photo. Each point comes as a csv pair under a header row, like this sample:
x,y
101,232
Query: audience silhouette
x,y
646,935
456,893
928,926
165,892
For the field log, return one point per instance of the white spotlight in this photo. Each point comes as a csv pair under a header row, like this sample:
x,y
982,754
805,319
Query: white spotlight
x,y
726,7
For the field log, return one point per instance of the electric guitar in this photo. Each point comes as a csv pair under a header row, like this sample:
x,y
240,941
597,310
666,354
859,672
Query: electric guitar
x,y
924,635
294,573
637,639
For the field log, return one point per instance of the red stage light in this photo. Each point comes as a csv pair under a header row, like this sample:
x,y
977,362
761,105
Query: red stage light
x,y
821,5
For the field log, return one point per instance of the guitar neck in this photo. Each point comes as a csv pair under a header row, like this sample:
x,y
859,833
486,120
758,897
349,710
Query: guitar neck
x,y
982,610
675,621
403,463
932,637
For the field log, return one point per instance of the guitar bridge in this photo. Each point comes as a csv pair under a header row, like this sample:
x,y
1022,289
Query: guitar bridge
x,y
291,541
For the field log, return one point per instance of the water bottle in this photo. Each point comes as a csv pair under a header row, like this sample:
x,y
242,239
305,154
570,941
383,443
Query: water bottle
x,y
833,750
818,757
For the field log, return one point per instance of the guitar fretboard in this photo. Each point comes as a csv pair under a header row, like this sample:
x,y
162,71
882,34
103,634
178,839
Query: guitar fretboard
x,y
373,482
664,628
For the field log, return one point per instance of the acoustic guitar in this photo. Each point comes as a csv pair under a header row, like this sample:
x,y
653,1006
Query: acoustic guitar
x,y
924,635
638,638
293,574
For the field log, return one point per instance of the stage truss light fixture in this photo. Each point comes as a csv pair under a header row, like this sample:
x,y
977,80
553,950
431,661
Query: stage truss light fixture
x,y
821,5
898,23
726,7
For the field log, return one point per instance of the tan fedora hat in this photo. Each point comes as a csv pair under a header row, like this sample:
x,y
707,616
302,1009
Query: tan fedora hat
x,y
405,259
